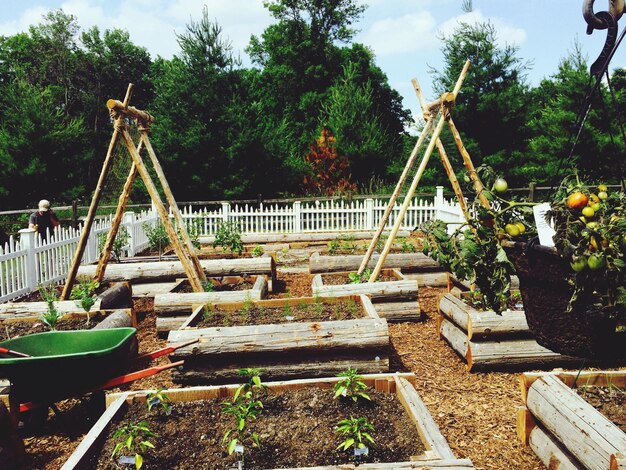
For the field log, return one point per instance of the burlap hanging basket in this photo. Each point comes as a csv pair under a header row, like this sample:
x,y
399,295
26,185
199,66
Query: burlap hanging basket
x,y
588,331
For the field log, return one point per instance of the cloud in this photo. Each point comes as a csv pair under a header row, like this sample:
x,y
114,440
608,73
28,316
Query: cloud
x,y
506,33
29,16
400,35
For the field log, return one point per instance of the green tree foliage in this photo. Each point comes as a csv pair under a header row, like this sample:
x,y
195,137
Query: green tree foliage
x,y
492,108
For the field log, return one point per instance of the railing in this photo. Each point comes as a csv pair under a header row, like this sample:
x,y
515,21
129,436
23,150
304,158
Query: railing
x,y
30,262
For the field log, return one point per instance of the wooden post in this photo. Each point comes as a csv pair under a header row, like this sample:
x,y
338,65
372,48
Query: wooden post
x,y
74,214
95,201
531,191
156,199
442,153
394,197
416,179
173,206
469,165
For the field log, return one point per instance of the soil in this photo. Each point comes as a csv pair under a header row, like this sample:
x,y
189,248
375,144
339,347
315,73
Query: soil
x,y
254,315
13,329
296,429
292,285
220,286
610,401
36,296
341,279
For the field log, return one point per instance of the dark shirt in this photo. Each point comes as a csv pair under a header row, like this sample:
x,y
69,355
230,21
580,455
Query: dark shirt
x,y
44,220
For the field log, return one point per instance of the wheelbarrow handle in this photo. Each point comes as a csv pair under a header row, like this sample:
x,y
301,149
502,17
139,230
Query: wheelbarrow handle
x,y
13,353
164,351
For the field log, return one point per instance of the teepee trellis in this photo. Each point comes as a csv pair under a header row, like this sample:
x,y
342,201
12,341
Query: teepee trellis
x,y
441,108
121,112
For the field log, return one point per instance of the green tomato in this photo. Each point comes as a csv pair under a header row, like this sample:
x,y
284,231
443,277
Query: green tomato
x,y
500,185
512,230
595,262
602,195
588,212
578,264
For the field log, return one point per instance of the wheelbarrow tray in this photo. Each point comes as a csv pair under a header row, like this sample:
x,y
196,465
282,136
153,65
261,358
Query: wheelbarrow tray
x,y
64,362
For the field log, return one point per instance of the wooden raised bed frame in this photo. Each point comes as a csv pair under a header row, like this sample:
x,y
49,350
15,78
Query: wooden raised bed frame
x,y
286,350
438,454
394,300
487,341
562,428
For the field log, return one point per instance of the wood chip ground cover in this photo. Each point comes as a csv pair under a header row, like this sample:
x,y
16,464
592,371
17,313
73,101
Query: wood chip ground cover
x,y
297,429
255,315
475,412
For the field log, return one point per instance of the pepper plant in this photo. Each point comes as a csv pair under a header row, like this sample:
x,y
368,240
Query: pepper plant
x,y
159,398
356,432
135,438
85,294
351,386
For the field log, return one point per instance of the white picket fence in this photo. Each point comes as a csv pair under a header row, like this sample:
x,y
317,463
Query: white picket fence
x,y
30,262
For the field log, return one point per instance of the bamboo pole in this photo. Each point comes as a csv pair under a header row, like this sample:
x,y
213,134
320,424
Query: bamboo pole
x,y
417,177
173,206
117,220
469,165
394,197
154,195
95,201
442,153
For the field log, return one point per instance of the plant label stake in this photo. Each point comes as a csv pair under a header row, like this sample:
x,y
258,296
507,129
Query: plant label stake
x,y
544,230
127,460
360,452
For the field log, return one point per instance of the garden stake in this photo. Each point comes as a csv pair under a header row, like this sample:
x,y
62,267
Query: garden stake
x,y
447,100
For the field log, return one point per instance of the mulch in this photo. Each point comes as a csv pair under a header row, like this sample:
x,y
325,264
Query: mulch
x,y
476,412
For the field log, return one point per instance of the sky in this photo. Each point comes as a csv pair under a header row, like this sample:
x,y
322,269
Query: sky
x,y
403,34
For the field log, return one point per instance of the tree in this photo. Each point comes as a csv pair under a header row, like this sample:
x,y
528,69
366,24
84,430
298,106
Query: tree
x,y
329,171
493,104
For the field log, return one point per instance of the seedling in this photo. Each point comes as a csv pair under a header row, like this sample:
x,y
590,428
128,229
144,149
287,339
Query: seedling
x,y
208,286
356,432
351,386
121,240
319,306
51,316
287,312
85,294
353,308
158,398
208,312
244,407
257,251
407,246
356,279
333,246
134,437
246,308
338,314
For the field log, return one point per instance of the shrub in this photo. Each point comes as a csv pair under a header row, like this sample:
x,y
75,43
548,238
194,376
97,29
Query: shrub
x,y
228,236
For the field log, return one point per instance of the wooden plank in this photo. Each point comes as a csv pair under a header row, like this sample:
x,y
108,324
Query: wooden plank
x,y
79,457
585,432
426,426
446,464
407,262
399,311
513,354
281,367
525,424
300,238
454,336
171,270
223,391
21,310
599,378
438,279
551,452
176,304
618,461
455,310
359,334
151,289
369,308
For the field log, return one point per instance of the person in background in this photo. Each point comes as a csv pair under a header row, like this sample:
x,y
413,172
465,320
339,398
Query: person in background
x,y
44,220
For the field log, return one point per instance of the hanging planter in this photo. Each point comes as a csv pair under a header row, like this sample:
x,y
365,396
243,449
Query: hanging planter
x,y
589,330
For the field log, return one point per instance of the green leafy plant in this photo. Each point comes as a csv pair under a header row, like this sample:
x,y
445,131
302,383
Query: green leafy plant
x,y
380,243
228,236
245,406
51,316
406,246
319,305
356,432
257,251
333,246
135,438
160,399
85,294
158,239
353,308
208,286
354,278
352,386
287,310
338,313
121,240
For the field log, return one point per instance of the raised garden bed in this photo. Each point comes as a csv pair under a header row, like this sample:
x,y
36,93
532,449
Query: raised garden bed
x,y
292,436
488,341
563,429
396,300
286,350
